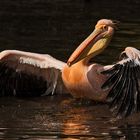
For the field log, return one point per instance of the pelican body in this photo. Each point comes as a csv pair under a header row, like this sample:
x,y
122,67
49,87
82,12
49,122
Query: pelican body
x,y
29,74
81,78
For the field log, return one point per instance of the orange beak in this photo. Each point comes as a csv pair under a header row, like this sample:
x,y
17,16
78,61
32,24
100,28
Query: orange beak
x,y
84,48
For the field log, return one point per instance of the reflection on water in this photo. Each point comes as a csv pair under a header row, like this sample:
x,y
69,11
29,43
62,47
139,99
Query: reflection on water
x,y
62,117
57,27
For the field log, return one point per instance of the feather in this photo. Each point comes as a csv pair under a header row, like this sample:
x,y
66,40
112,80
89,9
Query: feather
x,y
25,74
111,80
116,92
125,95
124,85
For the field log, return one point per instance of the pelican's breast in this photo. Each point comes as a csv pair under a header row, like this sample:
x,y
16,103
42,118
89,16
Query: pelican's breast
x,y
75,80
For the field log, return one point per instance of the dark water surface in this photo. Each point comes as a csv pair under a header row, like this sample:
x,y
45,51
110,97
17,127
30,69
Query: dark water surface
x,y
56,27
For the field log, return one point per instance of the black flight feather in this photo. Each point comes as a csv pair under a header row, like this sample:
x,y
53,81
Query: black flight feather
x,y
19,83
124,85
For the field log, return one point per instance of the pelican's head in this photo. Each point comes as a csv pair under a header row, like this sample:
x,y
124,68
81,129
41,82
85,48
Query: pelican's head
x,y
95,42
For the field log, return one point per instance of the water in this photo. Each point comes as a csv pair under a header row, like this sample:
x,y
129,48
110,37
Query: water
x,y
57,27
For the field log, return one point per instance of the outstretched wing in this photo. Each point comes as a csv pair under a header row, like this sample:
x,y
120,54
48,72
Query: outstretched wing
x,y
124,84
29,74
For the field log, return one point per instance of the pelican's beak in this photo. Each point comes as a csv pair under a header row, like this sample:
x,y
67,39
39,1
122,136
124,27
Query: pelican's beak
x,y
87,47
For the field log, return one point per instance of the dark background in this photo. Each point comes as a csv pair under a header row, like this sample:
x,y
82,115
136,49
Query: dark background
x,y
57,27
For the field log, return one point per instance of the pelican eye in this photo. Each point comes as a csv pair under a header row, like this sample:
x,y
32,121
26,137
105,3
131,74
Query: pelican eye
x,y
104,27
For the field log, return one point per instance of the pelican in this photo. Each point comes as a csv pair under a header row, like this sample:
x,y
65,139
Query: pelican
x,y
25,73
